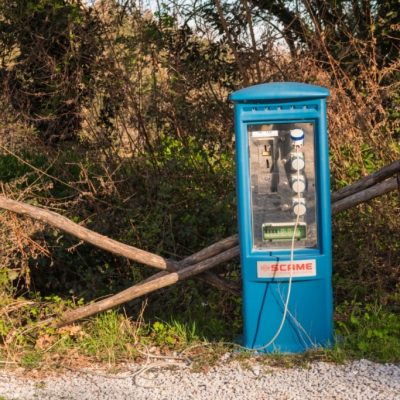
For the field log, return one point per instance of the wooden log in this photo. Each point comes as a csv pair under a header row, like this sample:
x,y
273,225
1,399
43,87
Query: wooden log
x,y
143,288
367,181
101,241
105,243
122,249
365,195
209,277
209,251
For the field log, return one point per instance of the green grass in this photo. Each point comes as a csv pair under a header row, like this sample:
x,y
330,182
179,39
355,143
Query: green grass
x,y
367,331
174,334
108,337
31,359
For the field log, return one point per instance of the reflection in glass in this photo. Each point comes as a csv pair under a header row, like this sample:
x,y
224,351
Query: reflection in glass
x,y
282,173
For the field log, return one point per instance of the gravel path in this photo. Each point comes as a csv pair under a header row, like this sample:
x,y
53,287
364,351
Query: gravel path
x,y
357,380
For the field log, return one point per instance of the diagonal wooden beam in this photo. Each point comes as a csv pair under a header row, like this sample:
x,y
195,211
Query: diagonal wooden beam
x,y
365,195
133,292
367,181
85,234
122,249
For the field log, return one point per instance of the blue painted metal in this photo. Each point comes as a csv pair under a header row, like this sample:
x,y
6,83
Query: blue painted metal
x,y
309,323
279,91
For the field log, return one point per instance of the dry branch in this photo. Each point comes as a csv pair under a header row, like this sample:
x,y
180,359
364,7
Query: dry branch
x,y
212,279
147,287
87,235
122,249
209,251
209,277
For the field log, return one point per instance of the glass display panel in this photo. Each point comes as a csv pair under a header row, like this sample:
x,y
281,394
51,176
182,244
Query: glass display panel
x,y
282,172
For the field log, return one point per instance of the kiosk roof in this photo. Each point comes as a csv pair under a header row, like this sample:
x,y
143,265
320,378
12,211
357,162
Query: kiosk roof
x,y
279,91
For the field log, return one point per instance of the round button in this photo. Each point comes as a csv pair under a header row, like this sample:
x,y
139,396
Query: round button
x,y
298,184
297,162
299,206
299,209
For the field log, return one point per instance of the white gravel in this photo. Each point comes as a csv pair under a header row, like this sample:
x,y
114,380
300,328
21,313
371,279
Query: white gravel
x,y
357,380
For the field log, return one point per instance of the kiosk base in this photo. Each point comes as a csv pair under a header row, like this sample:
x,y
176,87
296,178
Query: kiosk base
x,y
308,323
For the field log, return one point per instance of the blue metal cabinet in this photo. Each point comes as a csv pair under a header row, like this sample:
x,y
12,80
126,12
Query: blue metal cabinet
x,y
284,215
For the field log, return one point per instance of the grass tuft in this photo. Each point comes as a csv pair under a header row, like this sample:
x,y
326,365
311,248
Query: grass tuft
x,y
368,331
110,337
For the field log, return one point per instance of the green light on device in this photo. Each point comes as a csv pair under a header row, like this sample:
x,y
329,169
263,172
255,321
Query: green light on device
x,y
283,231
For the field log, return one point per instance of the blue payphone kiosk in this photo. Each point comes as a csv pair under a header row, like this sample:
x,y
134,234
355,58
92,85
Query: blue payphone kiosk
x,y
284,216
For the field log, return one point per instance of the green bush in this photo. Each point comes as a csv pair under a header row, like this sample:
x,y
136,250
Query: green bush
x,y
368,331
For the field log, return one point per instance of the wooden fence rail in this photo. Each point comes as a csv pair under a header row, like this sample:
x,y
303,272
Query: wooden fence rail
x,y
197,264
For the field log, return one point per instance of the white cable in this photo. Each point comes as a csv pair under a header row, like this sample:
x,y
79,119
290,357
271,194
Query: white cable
x,y
285,311
300,327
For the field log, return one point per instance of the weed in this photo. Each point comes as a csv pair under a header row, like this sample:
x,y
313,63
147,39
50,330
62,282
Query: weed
x,y
174,334
40,385
31,359
205,355
243,357
368,331
337,353
109,338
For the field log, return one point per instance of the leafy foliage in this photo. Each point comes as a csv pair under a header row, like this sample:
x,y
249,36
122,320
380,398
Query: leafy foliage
x,y
369,331
50,49
143,99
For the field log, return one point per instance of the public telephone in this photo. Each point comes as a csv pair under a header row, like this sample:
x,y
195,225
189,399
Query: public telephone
x,y
284,216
